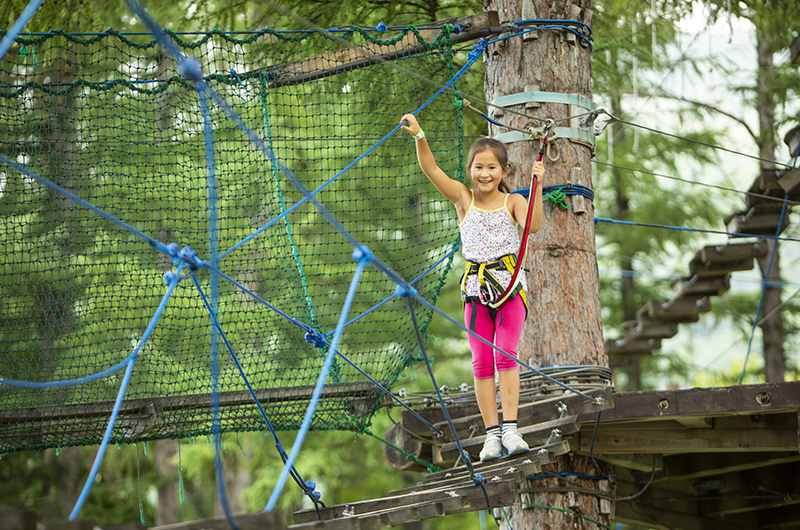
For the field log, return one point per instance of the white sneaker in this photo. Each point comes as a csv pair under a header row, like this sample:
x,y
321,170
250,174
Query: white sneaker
x,y
514,443
492,448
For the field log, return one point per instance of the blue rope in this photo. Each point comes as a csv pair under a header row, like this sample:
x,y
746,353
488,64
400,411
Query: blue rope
x,y
517,34
67,382
208,134
394,295
17,26
764,288
552,21
474,55
477,479
172,280
295,474
701,230
363,256
518,361
172,251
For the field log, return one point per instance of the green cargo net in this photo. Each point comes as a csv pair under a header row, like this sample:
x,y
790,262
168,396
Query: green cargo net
x,y
110,120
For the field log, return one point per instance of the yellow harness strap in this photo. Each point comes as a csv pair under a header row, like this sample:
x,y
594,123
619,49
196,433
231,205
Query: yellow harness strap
x,y
491,289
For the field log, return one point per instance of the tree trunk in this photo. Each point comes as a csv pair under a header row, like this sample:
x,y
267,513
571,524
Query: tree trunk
x,y
773,334
564,326
167,507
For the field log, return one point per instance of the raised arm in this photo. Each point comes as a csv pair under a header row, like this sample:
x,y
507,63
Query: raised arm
x,y
455,191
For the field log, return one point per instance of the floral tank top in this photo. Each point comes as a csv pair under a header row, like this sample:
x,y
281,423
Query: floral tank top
x,y
486,235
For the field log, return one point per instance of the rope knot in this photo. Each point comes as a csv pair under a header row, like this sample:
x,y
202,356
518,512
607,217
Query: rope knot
x,y
404,291
190,69
310,488
172,251
381,27
477,50
316,338
172,277
558,198
458,28
478,479
189,256
362,253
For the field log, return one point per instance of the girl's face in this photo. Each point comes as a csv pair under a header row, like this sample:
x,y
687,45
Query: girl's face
x,y
486,172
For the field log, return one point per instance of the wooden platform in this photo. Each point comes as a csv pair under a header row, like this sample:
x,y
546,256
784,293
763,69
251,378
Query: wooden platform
x,y
719,458
443,493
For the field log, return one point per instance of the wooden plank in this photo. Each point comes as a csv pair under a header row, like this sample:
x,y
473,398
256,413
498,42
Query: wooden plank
x,y
245,521
740,399
701,285
354,57
77,524
145,407
649,329
755,224
684,309
534,412
789,180
434,416
697,268
741,493
779,518
627,440
501,493
380,519
528,464
536,435
637,461
626,347
733,252
689,467
645,514
17,519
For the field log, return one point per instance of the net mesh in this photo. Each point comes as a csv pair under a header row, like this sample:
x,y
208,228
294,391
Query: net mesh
x,y
109,119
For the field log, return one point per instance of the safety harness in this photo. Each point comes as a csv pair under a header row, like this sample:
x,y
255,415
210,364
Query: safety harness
x,y
490,288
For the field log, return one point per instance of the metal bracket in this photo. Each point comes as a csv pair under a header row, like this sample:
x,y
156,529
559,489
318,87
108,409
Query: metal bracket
x,y
580,130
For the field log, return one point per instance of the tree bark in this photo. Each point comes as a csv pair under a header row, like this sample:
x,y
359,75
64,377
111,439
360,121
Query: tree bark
x,y
564,325
773,333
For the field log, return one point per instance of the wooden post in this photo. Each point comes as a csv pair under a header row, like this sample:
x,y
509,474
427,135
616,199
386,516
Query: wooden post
x,y
564,325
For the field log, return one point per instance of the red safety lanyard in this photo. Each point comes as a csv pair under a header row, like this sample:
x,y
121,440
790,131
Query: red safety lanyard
x,y
531,202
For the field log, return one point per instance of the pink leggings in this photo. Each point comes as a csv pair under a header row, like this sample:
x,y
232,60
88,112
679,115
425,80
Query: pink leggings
x,y
502,328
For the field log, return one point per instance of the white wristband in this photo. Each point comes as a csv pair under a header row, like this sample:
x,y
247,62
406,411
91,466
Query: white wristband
x,y
420,135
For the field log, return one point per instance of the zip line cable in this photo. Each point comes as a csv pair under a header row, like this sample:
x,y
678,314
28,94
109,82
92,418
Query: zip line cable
x,y
697,183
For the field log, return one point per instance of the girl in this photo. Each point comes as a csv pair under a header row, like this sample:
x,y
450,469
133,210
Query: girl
x,y
488,216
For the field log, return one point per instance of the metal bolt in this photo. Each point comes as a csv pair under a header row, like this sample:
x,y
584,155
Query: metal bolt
x,y
762,398
663,404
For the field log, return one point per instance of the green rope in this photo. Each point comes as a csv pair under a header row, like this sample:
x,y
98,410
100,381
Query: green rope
x,y
598,523
180,473
139,485
558,198
336,371
410,457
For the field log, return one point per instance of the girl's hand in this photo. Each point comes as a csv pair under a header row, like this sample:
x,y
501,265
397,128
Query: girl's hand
x,y
538,169
413,127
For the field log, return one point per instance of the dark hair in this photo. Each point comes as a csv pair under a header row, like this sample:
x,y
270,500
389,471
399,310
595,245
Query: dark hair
x,y
495,146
